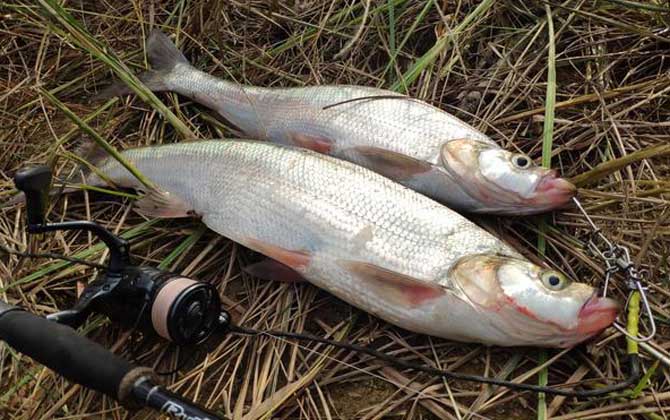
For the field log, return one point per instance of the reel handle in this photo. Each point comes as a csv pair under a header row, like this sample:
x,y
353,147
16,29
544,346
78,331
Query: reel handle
x,y
34,181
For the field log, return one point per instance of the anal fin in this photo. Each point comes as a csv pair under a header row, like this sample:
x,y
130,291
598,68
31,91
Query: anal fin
x,y
398,288
391,164
270,269
295,260
163,204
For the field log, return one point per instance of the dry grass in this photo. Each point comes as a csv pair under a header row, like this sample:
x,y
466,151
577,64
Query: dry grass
x,y
612,99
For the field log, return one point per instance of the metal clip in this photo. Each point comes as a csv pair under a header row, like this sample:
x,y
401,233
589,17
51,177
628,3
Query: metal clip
x,y
617,259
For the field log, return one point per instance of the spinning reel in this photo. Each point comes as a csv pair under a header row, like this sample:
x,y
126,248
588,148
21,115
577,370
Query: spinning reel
x,y
177,308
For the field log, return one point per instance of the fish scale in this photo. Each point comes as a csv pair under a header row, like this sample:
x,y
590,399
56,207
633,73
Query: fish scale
x,y
258,110
411,131
297,199
405,139
366,239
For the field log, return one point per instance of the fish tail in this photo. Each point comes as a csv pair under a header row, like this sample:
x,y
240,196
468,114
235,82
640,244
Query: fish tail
x,y
163,55
91,155
162,52
20,197
90,152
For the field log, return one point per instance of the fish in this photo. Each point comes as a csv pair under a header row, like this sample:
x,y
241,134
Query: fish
x,y
405,139
371,242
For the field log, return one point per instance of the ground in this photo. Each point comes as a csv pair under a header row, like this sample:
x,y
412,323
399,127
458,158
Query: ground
x,y
489,62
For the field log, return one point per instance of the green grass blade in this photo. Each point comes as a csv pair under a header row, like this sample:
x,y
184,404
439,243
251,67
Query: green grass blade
x,y
391,13
549,109
97,138
542,380
409,32
84,40
182,247
429,57
550,104
607,167
90,117
106,191
547,139
644,381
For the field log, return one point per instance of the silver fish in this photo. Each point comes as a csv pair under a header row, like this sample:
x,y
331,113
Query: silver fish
x,y
407,140
369,241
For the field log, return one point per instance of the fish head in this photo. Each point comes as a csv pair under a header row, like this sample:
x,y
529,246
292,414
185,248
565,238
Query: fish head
x,y
530,305
504,182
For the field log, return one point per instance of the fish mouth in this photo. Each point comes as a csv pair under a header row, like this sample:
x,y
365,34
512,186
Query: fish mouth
x,y
554,190
460,159
597,314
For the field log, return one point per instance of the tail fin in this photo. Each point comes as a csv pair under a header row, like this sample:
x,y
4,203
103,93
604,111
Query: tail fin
x,y
20,197
163,56
88,151
92,153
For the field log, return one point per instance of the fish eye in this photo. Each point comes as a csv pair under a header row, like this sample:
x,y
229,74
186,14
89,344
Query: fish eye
x,y
555,281
521,161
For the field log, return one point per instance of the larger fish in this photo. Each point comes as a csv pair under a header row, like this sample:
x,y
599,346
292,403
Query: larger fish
x,y
405,139
366,239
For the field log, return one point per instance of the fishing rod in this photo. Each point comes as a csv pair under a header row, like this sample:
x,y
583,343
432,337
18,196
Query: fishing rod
x,y
53,342
86,362
187,312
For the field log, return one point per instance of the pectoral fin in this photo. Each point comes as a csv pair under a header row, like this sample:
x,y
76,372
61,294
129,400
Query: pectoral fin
x,y
295,260
307,141
391,164
269,269
396,287
163,204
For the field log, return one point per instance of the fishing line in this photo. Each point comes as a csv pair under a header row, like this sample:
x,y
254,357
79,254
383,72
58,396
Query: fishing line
x,y
633,376
181,361
51,255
